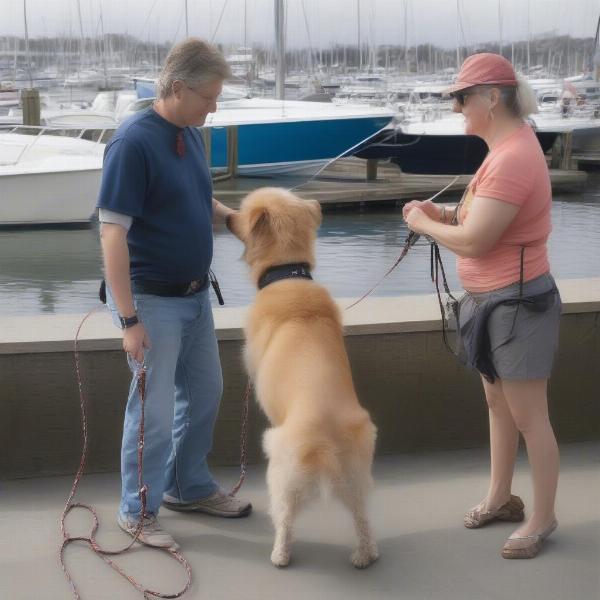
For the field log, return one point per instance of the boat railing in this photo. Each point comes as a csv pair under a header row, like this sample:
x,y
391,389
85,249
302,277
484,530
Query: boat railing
x,y
97,137
37,132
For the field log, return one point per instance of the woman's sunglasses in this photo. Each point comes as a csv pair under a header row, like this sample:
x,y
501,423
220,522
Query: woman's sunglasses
x,y
461,97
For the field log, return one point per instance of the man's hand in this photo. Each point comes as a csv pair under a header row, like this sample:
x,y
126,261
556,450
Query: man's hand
x,y
135,339
221,213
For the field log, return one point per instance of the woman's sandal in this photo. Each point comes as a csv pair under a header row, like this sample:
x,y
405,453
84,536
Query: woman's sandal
x,y
511,511
528,546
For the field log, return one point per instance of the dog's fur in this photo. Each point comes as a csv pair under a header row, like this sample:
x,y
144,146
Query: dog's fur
x,y
296,358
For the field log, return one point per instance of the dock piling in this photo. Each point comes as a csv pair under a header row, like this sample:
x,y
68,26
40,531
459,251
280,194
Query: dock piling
x,y
30,99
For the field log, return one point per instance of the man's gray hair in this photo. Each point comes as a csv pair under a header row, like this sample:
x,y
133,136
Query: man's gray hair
x,y
193,61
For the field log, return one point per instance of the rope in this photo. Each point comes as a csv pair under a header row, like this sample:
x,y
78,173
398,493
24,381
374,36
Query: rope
x,y
90,540
409,242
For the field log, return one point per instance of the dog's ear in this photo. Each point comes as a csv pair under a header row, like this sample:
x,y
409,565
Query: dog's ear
x,y
314,208
259,221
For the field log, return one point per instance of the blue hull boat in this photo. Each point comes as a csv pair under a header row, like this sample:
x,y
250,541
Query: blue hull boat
x,y
286,137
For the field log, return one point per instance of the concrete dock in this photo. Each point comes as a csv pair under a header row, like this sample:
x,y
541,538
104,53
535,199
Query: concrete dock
x,y
417,508
420,397
432,464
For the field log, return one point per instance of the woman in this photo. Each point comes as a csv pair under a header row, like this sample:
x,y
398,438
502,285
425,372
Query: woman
x,y
499,233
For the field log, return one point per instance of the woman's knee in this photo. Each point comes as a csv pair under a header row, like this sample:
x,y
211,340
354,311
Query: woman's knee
x,y
531,423
528,405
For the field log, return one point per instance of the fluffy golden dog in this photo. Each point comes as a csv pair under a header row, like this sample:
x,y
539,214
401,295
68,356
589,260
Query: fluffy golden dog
x,y
296,358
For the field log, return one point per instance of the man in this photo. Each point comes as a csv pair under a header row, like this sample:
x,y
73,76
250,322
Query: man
x,y
156,211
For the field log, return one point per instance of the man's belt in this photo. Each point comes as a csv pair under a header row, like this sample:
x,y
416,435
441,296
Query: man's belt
x,y
159,288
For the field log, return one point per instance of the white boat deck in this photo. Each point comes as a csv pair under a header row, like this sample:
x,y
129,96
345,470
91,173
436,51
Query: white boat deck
x,y
44,153
454,124
256,111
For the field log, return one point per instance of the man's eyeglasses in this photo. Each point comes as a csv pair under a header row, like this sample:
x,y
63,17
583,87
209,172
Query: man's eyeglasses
x,y
197,93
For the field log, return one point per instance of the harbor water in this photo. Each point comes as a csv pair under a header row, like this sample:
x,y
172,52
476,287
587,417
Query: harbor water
x,y
58,271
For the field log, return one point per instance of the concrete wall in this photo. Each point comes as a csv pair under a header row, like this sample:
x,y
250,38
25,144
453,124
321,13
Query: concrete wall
x,y
417,393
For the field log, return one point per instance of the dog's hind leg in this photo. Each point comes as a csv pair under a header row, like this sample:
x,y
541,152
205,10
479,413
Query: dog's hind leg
x,y
288,488
352,490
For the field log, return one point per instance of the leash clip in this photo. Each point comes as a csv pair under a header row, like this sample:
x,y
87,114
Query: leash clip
x,y
215,286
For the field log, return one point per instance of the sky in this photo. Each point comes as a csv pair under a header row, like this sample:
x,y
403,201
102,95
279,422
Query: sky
x,y
310,23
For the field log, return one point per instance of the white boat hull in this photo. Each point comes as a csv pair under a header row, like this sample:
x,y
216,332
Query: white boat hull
x,y
48,179
66,197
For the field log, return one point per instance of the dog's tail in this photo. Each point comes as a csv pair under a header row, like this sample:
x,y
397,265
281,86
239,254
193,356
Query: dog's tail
x,y
312,454
334,455
319,457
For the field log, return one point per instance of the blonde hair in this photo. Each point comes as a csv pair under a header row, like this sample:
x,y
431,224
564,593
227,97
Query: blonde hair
x,y
193,61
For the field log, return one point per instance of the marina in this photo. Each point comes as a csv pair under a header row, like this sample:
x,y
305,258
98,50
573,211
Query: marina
x,y
346,105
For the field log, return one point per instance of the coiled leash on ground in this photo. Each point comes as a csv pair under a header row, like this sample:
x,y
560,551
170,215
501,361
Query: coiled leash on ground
x,y
104,553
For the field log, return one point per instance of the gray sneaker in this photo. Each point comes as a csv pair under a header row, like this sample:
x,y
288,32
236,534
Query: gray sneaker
x,y
152,533
219,504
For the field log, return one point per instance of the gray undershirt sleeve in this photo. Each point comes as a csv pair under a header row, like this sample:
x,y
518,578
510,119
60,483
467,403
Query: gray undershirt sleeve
x,y
109,216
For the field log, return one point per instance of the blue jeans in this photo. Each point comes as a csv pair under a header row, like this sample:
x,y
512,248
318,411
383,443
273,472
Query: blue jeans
x,y
183,392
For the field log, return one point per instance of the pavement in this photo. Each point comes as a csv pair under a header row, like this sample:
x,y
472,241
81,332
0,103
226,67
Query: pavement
x,y
416,507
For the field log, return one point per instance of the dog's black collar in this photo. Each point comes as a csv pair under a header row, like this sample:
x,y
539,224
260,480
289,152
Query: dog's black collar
x,y
289,271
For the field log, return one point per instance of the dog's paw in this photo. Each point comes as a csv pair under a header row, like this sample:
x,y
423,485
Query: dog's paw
x,y
280,558
363,557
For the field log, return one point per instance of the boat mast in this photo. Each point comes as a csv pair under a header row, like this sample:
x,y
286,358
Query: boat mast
x,y
15,58
596,58
81,49
500,26
105,68
528,37
280,54
27,44
358,27
406,60
187,34
457,36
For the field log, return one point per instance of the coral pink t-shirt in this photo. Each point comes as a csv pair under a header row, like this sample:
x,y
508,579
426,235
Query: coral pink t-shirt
x,y
515,171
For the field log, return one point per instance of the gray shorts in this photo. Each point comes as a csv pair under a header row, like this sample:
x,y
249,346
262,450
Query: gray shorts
x,y
527,350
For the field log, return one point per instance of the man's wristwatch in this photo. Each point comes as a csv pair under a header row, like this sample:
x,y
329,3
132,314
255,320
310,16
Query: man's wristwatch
x,y
127,322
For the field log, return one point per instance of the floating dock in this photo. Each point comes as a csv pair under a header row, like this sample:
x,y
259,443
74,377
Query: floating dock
x,y
350,181
587,159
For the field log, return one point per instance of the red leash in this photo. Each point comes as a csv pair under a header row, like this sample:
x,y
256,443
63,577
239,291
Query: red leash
x,y
243,438
90,540
409,242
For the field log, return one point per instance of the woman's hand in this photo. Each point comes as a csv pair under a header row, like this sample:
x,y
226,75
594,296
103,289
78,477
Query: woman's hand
x,y
135,339
427,206
417,220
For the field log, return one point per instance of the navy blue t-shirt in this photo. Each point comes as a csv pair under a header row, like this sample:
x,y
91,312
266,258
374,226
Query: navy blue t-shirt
x,y
169,197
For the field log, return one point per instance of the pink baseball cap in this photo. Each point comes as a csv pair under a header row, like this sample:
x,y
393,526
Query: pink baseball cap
x,y
484,69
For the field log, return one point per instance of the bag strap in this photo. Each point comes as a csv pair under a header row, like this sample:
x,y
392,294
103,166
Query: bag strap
x,y
437,267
